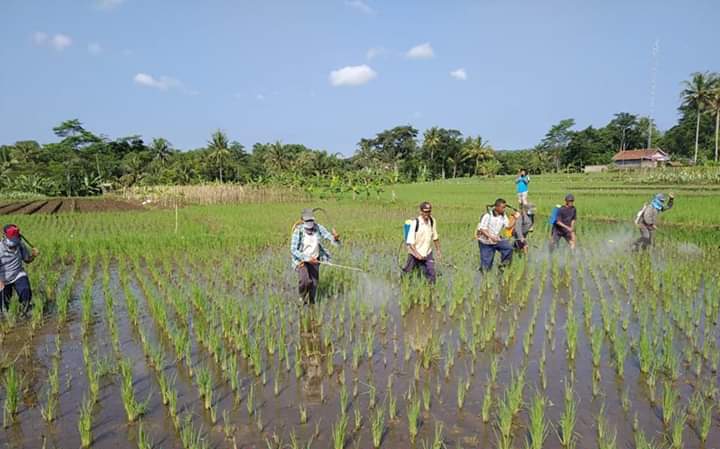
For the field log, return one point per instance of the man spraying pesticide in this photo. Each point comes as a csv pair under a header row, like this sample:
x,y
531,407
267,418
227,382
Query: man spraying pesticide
x,y
13,254
522,229
308,253
420,236
563,220
492,234
646,219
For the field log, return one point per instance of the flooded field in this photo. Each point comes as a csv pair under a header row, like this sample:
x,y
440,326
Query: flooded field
x,y
143,338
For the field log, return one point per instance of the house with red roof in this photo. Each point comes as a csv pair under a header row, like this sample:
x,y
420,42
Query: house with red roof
x,y
645,158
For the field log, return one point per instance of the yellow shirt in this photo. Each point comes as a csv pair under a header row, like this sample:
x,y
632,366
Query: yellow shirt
x,y
424,237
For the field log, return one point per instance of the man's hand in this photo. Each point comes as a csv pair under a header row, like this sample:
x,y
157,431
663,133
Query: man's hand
x,y
2,285
313,261
671,195
516,215
335,235
35,252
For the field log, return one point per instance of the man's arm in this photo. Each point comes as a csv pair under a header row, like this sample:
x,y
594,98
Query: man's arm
x,y
671,201
295,242
333,237
28,255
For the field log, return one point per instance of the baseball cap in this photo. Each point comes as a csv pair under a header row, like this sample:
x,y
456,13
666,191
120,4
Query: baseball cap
x,y
307,215
569,197
12,232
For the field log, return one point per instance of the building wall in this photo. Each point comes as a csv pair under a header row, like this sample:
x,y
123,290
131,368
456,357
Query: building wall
x,y
636,163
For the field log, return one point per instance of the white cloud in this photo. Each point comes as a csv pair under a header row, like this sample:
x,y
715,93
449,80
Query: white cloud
x,y
59,41
260,97
95,48
162,83
108,4
352,75
360,5
40,38
374,52
422,51
459,74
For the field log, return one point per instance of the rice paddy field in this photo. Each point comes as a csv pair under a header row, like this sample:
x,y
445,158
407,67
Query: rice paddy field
x,y
149,332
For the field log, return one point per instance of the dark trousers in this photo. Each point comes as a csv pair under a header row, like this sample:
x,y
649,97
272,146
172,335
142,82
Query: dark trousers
x,y
487,253
308,280
647,236
557,234
427,266
22,287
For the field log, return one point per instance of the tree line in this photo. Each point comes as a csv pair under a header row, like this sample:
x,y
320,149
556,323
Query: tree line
x,y
82,163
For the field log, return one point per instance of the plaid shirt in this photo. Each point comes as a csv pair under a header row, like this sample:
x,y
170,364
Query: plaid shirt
x,y
296,245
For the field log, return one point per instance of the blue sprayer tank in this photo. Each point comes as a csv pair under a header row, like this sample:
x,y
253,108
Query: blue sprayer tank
x,y
406,229
554,214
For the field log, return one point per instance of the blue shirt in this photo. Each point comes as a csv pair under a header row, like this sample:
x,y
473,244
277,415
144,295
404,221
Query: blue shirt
x,y
522,184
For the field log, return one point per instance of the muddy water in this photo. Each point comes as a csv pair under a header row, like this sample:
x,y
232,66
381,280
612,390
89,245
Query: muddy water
x,y
396,353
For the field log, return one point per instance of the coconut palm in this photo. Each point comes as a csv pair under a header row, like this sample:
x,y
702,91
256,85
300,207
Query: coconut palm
x,y
695,96
161,150
713,105
219,150
478,150
431,141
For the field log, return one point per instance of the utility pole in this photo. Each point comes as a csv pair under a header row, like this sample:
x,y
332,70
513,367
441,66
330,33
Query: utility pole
x,y
653,82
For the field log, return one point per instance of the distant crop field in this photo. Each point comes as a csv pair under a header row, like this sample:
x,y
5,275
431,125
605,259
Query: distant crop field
x,y
151,329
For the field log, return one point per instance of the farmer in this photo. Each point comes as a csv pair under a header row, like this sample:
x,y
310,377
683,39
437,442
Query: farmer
x,y
564,225
13,254
521,183
420,240
647,219
493,224
307,253
523,227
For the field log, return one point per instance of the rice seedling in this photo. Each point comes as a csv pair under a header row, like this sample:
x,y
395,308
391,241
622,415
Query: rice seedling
x,y
487,403
566,432
250,401
339,430
706,417
438,442
143,439
378,427
13,388
358,420
538,426
302,410
85,422
133,408
503,431
677,429
460,394
596,342
605,438
669,403
413,416
426,397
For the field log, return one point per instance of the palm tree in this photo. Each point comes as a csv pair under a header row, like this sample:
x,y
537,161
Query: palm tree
x,y
431,140
714,107
695,96
276,157
219,150
478,150
161,150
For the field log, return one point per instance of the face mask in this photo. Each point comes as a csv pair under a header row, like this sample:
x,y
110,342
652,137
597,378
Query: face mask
x,y
10,244
309,225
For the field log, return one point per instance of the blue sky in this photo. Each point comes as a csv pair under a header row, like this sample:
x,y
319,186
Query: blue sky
x,y
327,73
